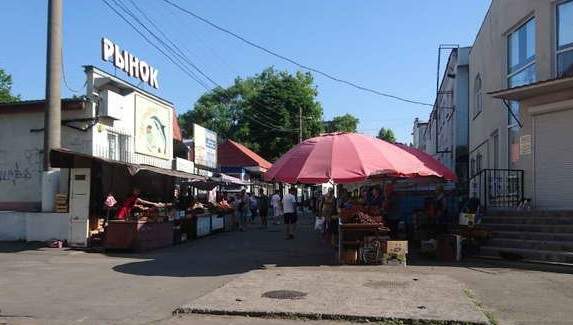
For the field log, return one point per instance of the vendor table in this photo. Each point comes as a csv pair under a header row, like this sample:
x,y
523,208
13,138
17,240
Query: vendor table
x,y
217,222
352,234
203,224
138,235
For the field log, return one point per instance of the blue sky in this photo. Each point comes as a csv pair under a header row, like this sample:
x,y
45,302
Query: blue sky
x,y
387,45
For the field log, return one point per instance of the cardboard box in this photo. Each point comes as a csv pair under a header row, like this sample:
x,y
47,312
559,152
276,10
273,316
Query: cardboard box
x,y
398,247
467,219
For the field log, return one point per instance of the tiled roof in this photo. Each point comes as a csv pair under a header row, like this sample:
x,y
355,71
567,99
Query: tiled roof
x,y
233,154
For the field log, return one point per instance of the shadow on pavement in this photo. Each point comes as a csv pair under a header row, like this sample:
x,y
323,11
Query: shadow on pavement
x,y
233,253
20,246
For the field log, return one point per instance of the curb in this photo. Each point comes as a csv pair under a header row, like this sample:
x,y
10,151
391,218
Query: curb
x,y
317,316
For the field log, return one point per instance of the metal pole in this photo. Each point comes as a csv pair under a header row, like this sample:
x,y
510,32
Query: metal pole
x,y
299,124
52,117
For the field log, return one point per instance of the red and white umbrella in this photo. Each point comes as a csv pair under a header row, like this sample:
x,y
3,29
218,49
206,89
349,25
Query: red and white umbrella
x,y
352,157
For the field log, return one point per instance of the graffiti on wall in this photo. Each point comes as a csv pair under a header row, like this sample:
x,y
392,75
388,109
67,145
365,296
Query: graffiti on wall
x,y
14,173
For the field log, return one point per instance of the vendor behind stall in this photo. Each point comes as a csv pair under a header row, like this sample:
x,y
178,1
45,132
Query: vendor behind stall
x,y
134,201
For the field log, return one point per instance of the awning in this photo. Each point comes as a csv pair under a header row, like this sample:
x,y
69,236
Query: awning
x,y
63,158
535,89
225,179
219,180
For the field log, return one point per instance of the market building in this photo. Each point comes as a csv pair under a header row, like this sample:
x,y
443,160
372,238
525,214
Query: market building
x,y
522,105
111,136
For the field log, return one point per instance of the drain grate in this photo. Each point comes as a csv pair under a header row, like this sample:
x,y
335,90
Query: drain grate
x,y
386,284
284,294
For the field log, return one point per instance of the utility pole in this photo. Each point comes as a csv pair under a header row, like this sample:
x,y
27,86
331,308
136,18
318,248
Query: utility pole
x,y
299,124
53,113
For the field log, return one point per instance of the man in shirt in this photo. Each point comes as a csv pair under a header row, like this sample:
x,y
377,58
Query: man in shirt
x,y
289,210
277,209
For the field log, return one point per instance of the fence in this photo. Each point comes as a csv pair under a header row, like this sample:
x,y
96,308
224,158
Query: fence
x,y
498,188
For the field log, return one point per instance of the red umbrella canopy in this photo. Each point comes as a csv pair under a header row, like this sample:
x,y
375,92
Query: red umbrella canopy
x,y
352,157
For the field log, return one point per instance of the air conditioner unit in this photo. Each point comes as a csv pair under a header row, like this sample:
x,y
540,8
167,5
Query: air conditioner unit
x,y
112,104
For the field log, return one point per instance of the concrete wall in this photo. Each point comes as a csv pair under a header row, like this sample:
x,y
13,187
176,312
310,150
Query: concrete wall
x,y
33,226
488,59
21,154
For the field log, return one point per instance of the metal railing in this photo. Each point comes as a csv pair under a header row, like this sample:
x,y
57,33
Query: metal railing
x,y
498,188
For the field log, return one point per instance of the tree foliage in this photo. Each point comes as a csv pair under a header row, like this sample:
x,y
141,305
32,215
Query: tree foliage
x,y
344,123
6,88
386,135
262,112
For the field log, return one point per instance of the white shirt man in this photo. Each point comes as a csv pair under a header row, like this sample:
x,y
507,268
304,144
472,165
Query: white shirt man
x,y
289,203
289,209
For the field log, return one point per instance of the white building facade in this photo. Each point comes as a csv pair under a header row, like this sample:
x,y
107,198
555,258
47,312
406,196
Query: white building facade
x,y
114,120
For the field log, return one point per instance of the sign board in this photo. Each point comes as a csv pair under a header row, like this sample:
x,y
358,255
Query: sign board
x,y
152,128
184,165
205,145
398,247
525,145
132,65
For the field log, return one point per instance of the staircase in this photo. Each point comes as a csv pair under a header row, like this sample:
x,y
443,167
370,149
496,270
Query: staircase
x,y
543,236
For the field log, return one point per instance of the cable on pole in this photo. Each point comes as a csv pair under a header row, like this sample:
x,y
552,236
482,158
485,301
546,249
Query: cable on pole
x,y
292,61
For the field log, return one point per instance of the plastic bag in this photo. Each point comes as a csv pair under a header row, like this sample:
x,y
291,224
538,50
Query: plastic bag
x,y
319,224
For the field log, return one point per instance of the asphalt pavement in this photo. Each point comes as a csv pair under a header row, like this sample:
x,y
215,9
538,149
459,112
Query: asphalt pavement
x,y
41,285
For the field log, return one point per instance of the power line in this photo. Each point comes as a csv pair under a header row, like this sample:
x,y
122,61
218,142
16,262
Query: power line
x,y
185,57
176,55
153,44
179,65
64,76
300,65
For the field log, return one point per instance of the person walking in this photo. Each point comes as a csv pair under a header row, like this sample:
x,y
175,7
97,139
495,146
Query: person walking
x,y
289,210
263,205
244,210
276,203
254,208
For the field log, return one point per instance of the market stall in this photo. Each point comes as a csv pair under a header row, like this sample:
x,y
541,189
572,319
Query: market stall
x,y
121,205
325,159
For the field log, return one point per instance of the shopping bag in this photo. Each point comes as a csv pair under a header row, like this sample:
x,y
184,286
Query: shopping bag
x,y
319,224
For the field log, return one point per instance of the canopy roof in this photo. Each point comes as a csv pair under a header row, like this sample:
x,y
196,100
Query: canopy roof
x,y
63,158
352,157
234,154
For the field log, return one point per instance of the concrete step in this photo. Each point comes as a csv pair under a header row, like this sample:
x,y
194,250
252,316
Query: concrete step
x,y
544,245
527,220
542,236
528,254
528,227
533,213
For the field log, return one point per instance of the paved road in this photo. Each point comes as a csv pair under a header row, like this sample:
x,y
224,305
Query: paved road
x,y
58,286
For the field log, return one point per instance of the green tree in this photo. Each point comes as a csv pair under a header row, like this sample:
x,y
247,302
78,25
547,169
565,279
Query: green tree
x,y
261,112
6,88
386,135
344,123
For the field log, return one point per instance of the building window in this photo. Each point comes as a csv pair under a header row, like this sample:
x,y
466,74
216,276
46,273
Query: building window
x,y
478,99
565,39
117,146
521,55
112,146
520,71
